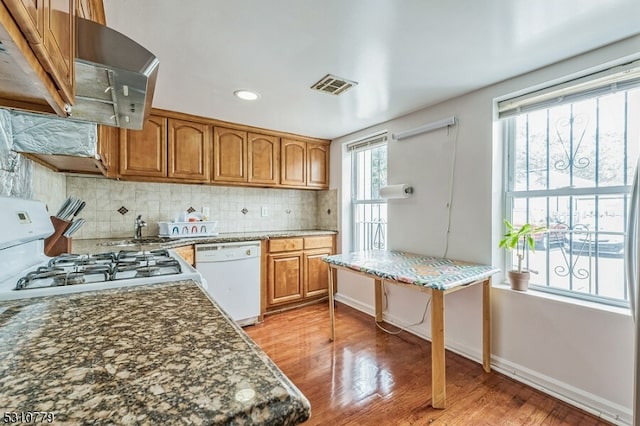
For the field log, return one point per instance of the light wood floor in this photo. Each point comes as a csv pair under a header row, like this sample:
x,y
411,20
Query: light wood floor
x,y
368,377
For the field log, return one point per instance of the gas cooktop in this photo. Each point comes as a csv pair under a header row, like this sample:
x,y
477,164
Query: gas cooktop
x,y
76,269
27,272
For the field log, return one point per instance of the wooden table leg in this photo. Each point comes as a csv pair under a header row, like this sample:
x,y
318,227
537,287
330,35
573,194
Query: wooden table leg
x,y
438,376
331,307
378,299
486,325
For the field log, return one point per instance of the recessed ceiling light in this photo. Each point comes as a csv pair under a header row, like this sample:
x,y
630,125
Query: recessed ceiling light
x,y
247,95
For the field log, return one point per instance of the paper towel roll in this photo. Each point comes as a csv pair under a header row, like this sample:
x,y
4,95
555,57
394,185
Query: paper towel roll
x,y
396,191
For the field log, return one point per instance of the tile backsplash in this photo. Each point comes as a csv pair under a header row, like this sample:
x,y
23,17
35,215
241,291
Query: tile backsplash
x,y
327,210
49,187
112,206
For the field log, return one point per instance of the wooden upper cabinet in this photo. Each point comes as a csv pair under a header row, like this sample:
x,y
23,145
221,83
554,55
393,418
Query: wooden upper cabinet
x,y
293,157
229,155
317,165
189,150
60,45
180,147
29,16
93,10
144,152
108,146
263,159
49,28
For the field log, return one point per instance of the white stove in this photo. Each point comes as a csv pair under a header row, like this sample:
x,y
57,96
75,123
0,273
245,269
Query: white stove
x,y
25,271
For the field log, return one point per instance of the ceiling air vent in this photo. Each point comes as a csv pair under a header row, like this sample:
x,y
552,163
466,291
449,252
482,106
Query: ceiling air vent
x,y
333,85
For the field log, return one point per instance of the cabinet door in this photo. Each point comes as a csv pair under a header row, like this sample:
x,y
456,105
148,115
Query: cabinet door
x,y
316,272
29,16
284,278
59,45
293,163
263,159
93,10
108,149
83,9
49,27
144,152
229,155
189,150
317,165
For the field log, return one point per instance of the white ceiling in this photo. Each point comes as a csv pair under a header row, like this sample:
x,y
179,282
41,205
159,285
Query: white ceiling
x,y
405,55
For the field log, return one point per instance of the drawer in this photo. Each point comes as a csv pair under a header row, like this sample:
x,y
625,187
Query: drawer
x,y
285,244
323,241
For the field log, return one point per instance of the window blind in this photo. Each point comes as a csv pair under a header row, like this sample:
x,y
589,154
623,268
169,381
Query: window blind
x,y
368,142
622,77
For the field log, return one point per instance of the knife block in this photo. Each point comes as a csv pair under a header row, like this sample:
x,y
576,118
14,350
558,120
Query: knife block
x,y
57,244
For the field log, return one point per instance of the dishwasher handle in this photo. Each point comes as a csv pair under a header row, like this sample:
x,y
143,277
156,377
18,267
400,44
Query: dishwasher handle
x,y
226,252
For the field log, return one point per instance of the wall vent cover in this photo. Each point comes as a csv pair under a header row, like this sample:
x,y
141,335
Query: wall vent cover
x,y
333,85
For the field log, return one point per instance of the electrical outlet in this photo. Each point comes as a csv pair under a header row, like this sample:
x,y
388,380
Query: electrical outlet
x,y
264,212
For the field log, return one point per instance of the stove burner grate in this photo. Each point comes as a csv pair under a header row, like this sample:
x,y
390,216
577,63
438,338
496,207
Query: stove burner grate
x,y
71,278
147,271
67,259
61,277
74,269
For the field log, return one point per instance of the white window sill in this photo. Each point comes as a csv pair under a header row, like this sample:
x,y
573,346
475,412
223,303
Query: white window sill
x,y
504,286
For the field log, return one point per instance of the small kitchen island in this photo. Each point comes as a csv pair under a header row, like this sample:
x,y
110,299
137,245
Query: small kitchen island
x,y
151,354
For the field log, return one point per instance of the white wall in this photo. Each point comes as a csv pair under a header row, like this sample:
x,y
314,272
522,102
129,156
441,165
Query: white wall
x,y
577,351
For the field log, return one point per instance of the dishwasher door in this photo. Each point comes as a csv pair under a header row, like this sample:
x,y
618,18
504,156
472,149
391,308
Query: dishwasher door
x,y
232,273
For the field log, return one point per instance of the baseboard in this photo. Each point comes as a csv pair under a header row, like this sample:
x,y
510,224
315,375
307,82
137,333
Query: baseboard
x,y
579,398
586,401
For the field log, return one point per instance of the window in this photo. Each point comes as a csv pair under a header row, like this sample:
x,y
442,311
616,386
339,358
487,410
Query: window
x,y
369,174
570,165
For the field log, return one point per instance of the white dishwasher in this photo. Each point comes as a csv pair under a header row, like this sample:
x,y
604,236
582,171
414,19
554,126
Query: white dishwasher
x,y
232,275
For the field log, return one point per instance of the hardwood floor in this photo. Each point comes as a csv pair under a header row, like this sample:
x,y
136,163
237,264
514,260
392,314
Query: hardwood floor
x,y
369,377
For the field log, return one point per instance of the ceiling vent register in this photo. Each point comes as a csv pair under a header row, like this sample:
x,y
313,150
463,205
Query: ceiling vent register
x,y
333,85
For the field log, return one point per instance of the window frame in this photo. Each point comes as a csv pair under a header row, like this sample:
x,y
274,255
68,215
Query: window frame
x,y
371,142
509,136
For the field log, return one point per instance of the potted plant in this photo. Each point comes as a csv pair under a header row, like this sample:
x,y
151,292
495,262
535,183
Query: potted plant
x,y
518,239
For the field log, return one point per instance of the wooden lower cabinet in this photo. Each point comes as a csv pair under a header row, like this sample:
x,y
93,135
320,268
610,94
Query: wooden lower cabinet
x,y
285,278
316,272
296,273
187,253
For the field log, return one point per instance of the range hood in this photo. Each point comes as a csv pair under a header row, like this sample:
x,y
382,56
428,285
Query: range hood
x,y
115,77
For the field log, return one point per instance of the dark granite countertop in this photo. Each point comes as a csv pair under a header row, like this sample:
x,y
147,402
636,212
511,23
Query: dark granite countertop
x,y
106,244
153,354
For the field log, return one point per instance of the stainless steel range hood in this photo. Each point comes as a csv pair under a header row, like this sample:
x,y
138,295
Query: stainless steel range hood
x,y
115,77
